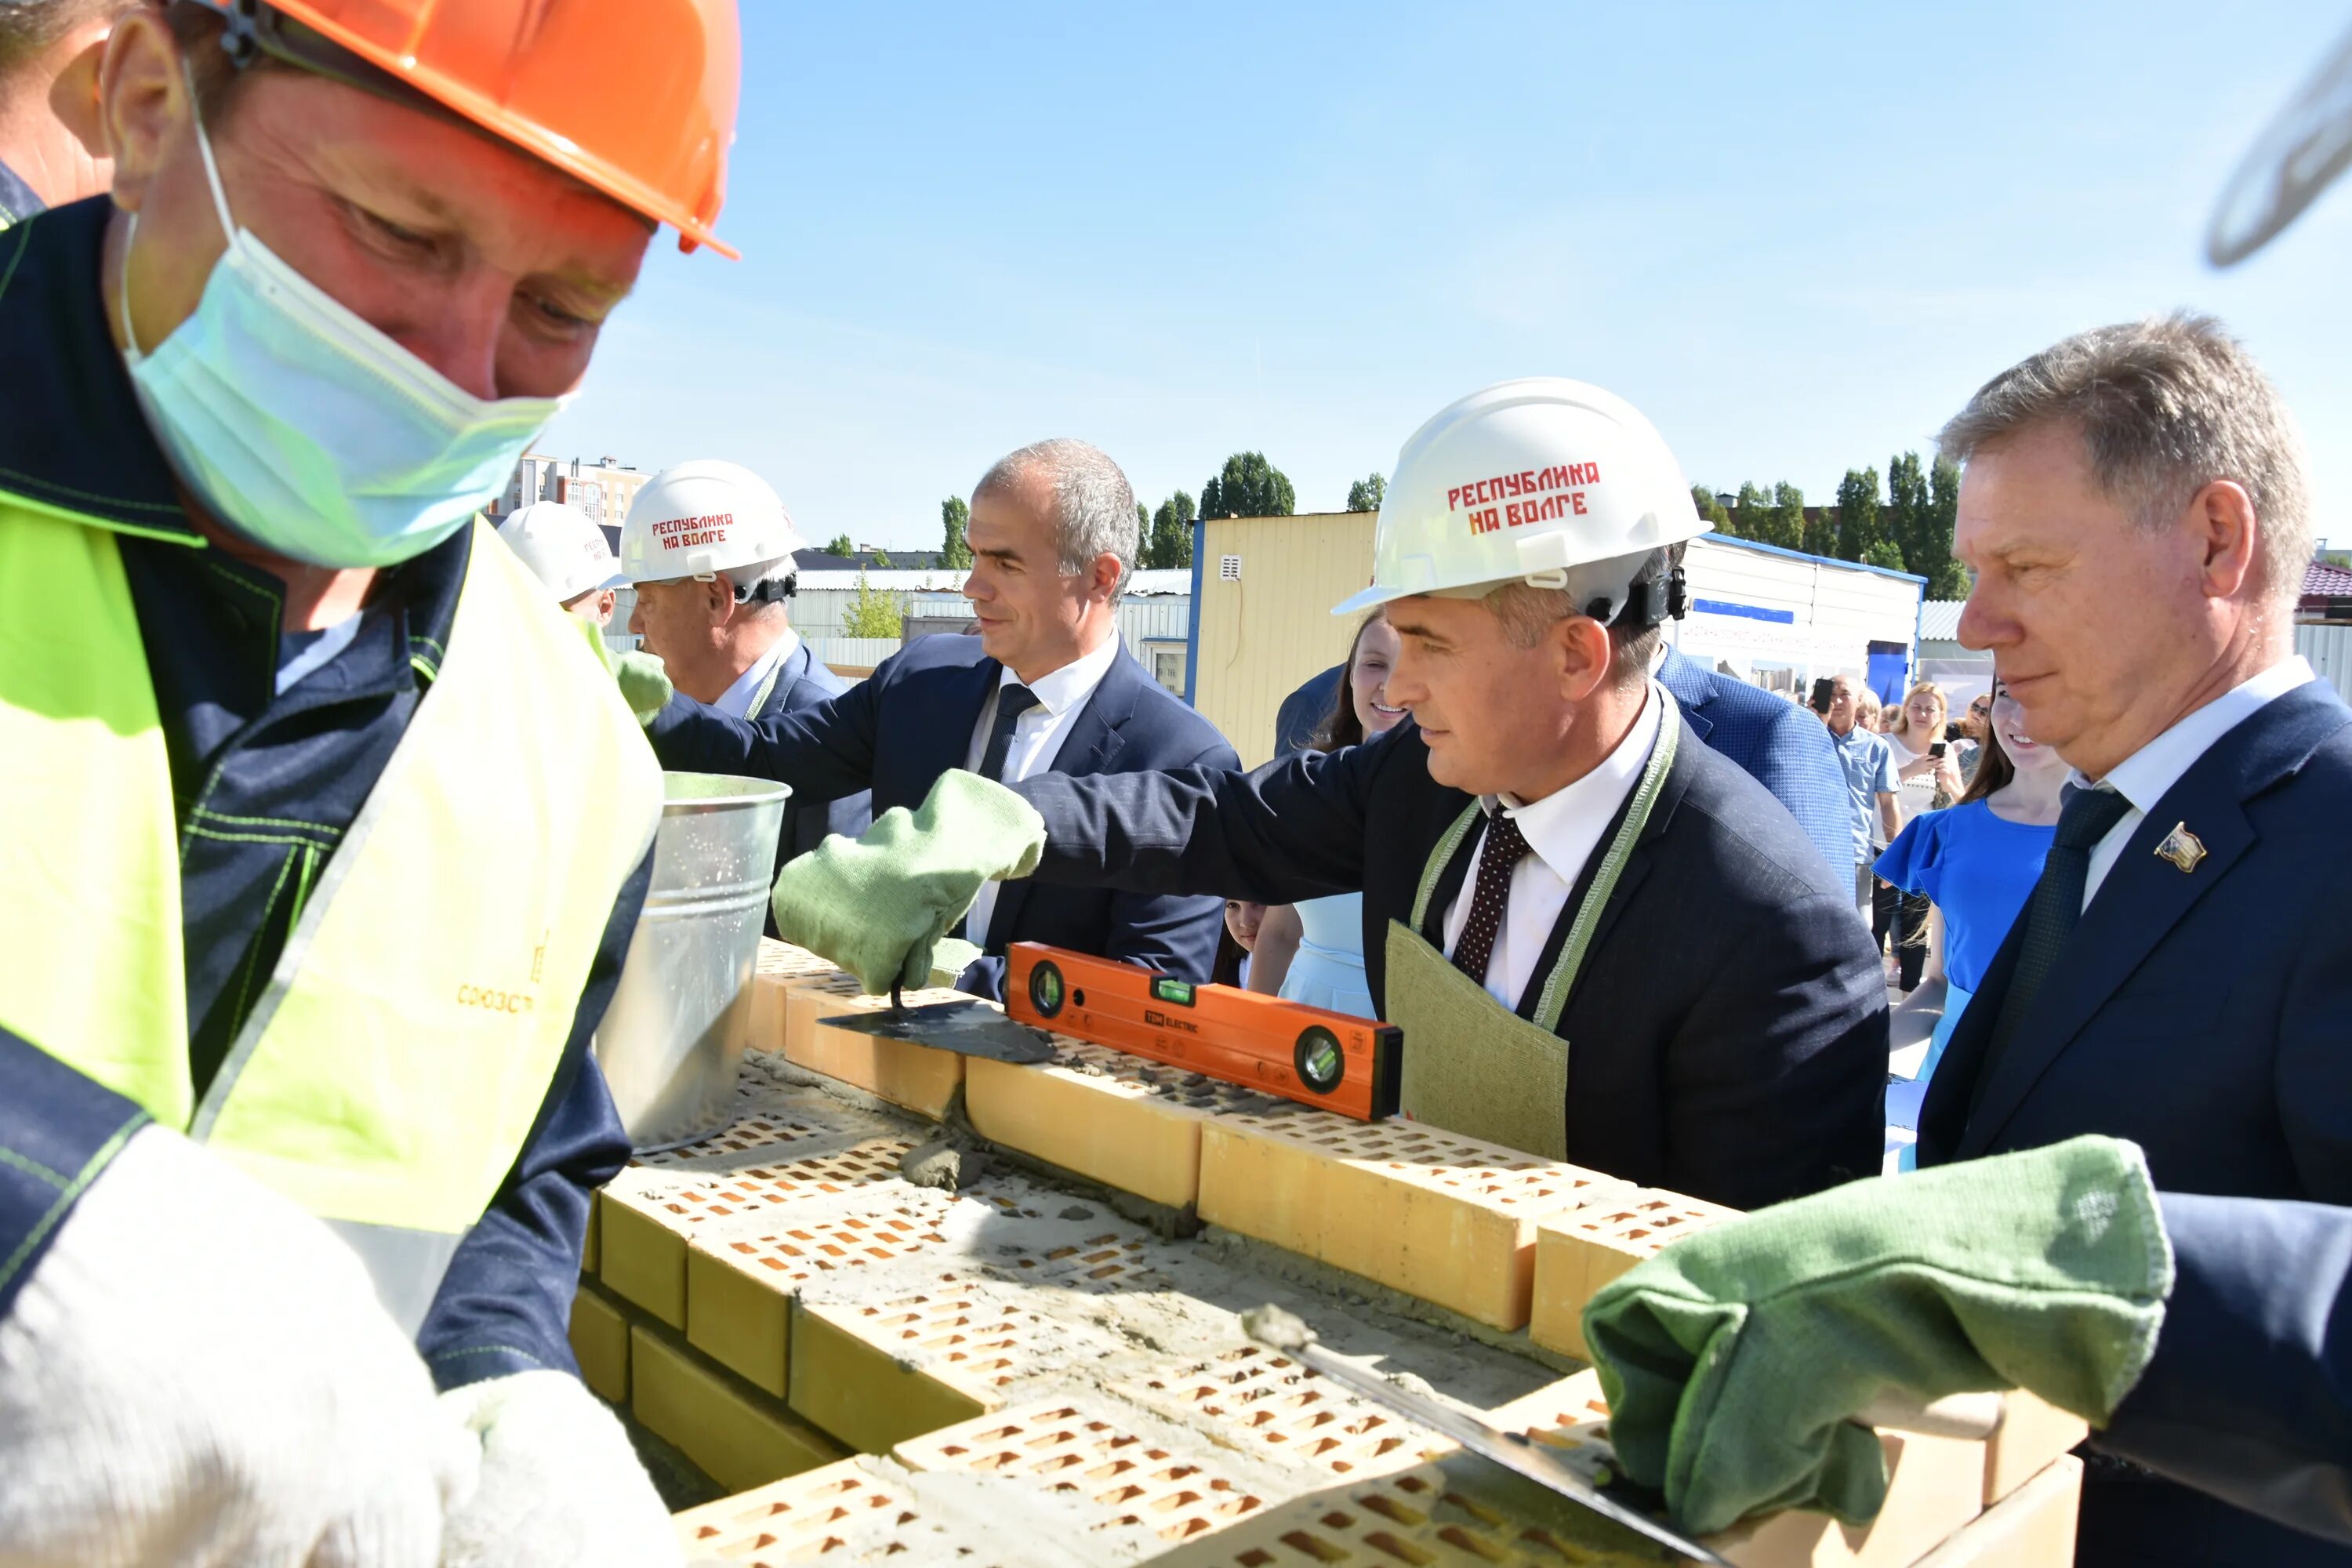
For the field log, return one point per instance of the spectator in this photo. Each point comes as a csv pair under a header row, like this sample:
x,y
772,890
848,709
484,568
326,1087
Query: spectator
x,y
1237,943
1931,780
1976,862
1969,748
1313,951
1870,782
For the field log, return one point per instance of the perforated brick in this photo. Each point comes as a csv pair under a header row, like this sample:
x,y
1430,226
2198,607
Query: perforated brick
x,y
645,1216
779,965
1120,1120
752,1138
1579,1251
1090,1455
918,1078
1255,1400
600,1342
876,1374
1421,1518
738,1287
1443,1218
737,1439
1932,1487
1115,1260
840,1511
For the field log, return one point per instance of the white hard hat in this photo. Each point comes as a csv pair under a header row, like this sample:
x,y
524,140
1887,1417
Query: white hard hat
x,y
562,549
1525,481
699,518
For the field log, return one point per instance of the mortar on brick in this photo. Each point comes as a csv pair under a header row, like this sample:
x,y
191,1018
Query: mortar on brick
x,y
1094,1457
1583,1250
1249,1398
919,1078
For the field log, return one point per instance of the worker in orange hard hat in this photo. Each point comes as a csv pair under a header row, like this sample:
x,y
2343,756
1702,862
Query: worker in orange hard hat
x,y
322,830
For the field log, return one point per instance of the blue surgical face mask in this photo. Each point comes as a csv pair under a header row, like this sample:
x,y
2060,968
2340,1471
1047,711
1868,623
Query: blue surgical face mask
x,y
305,429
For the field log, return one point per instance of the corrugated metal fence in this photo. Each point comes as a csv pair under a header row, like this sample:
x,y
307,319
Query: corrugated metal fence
x,y
2329,649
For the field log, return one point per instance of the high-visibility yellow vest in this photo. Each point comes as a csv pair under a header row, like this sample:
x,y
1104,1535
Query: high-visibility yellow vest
x,y
389,1073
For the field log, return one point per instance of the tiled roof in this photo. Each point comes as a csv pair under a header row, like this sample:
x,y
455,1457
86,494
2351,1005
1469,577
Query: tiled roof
x,y
2322,580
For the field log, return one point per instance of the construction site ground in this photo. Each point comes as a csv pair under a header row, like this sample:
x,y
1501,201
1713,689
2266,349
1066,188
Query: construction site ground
x,y
916,1307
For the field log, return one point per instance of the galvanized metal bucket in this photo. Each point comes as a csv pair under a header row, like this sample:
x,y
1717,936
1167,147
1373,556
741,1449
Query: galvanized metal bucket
x,y
673,1039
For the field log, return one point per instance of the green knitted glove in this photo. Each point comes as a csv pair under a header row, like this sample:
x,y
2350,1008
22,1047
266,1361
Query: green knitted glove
x,y
879,906
643,682
1732,1360
949,959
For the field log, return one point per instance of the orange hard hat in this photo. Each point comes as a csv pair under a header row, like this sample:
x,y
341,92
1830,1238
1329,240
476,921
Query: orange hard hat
x,y
635,98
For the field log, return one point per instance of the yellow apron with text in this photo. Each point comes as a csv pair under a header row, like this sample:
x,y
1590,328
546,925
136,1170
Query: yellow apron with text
x,y
1471,1065
389,1073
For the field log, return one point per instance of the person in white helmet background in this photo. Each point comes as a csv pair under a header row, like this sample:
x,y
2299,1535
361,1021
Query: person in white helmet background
x,y
709,547
1603,941
567,551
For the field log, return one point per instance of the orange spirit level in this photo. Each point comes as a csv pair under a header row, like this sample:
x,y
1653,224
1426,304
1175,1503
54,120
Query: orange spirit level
x,y
1334,1061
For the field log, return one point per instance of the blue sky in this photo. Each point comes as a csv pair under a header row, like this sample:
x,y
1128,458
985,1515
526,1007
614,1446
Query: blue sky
x,y
1795,238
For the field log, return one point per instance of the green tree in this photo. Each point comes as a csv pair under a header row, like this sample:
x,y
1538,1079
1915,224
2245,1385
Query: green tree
x,y
1168,544
1884,553
882,562
1710,509
1821,535
872,612
839,545
1947,578
1784,525
955,517
1248,486
1859,526
1749,509
1906,519
1367,494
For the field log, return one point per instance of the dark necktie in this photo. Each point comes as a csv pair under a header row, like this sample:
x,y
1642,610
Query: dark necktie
x,y
1505,848
2084,819
1012,701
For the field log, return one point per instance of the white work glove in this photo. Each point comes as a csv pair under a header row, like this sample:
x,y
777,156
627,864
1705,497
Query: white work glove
x,y
561,1486
199,1372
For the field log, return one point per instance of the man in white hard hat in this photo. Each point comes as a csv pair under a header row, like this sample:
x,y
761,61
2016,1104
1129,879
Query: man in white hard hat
x,y
567,552
709,546
1604,942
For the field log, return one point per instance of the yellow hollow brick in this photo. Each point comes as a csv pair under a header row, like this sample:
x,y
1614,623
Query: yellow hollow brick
x,y
2033,1527
1085,1452
736,1439
799,1518
1578,1252
918,1078
845,1379
1115,1119
2033,1434
1446,1218
739,1287
647,1212
1933,1487
600,1340
1251,1399
779,965
588,1243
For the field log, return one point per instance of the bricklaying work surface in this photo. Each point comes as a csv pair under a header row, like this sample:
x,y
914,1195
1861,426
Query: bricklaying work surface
x,y
1021,1373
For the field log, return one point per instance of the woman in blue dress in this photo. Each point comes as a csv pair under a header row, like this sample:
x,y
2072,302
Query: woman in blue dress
x,y
1313,952
1978,862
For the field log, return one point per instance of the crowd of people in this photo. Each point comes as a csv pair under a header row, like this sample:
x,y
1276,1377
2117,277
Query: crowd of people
x,y
303,763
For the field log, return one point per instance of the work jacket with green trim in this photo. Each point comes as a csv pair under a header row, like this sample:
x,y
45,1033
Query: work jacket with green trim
x,y
265,785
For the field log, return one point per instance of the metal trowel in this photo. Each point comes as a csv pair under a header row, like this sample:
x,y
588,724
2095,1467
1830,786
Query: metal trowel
x,y
972,1028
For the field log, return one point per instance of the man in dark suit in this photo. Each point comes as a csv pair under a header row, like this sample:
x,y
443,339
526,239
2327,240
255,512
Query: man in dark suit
x,y
1045,687
1779,744
2135,507
720,622
1603,941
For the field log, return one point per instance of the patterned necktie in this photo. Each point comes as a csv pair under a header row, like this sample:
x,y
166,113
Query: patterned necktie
x,y
1012,701
1505,848
2084,816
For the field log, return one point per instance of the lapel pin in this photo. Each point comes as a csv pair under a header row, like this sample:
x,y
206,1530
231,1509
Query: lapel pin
x,y
2182,847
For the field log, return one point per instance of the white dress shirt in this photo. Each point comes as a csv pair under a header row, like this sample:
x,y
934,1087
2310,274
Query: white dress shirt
x,y
1037,737
1563,831
736,700
2143,777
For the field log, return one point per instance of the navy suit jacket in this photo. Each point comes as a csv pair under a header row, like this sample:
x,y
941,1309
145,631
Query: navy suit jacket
x,y
1783,746
897,732
1728,1030
2206,1016
804,682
